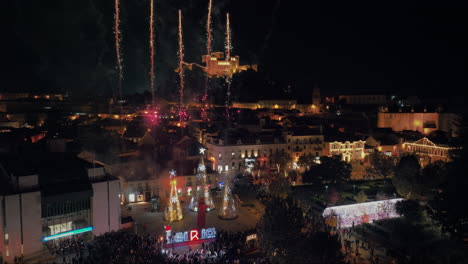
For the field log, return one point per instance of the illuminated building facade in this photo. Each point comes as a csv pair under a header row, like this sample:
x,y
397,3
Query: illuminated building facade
x,y
39,206
270,104
236,153
216,66
424,122
349,150
428,151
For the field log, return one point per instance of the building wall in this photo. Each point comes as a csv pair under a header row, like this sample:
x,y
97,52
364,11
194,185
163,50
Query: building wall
x,y
408,121
11,222
32,225
139,187
427,151
241,152
415,121
365,99
304,145
185,185
106,206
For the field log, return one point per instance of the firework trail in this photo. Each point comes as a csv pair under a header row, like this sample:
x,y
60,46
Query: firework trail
x,y
208,30
117,45
228,74
181,68
151,42
228,38
208,52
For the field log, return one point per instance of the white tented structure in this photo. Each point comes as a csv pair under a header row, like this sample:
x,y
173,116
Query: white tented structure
x,y
362,212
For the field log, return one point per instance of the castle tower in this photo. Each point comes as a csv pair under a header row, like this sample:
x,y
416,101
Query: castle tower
x,y
204,191
173,211
316,99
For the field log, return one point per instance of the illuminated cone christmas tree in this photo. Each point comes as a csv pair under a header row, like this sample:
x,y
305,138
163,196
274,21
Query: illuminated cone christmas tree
x,y
228,205
204,191
173,211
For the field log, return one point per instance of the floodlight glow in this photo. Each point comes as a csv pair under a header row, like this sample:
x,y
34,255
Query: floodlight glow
x,y
69,233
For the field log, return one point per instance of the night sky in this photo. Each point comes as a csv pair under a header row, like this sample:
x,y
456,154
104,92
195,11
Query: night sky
x,y
409,46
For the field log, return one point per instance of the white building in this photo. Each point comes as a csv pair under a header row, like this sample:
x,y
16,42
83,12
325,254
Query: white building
x,y
257,148
39,206
236,152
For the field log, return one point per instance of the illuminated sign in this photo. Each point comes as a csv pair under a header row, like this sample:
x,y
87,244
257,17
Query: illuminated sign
x,y
251,237
69,233
192,235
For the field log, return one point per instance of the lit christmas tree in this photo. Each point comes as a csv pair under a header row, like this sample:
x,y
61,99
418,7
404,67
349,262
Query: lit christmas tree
x,y
173,211
204,191
228,205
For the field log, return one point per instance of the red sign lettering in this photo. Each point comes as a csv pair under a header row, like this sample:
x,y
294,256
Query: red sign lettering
x,y
194,235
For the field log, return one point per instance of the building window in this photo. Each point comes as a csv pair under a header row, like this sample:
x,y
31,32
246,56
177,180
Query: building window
x,y
226,168
131,198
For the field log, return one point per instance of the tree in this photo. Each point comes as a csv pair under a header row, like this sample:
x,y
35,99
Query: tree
x,y
305,161
333,196
410,209
448,207
280,230
407,178
412,242
361,197
435,174
280,160
358,170
330,170
284,238
381,165
279,186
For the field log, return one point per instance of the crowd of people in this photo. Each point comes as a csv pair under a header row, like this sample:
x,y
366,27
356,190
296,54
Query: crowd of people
x,y
67,246
126,247
354,247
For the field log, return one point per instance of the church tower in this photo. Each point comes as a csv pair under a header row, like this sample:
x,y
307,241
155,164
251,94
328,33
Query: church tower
x,y
316,99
